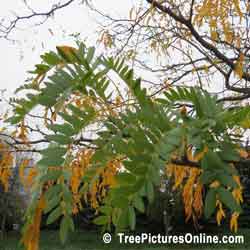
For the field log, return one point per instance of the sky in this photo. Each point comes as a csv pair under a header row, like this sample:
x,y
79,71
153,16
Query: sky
x,y
19,57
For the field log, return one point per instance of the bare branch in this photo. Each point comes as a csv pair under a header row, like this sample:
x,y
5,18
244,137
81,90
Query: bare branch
x,y
6,30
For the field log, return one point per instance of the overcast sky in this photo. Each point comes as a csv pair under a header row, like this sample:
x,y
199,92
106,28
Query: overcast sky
x,y
16,59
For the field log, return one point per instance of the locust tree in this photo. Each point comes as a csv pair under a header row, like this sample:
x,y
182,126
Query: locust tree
x,y
169,97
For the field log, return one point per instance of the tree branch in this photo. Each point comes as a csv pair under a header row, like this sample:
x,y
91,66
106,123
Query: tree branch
x,y
6,30
197,36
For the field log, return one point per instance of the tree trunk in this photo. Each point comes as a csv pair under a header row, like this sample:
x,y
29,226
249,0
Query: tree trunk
x,y
3,222
4,218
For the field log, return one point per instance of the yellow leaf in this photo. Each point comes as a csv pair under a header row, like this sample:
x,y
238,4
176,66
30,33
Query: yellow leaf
x,y
214,184
234,222
220,213
243,153
238,69
31,234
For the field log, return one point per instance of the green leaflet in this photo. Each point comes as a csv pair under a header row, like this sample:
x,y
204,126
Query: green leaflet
x,y
105,209
207,177
52,192
52,175
46,100
150,191
55,161
75,121
65,129
123,219
101,220
54,215
211,161
51,204
132,217
139,204
90,54
40,69
227,198
120,200
126,179
210,202
51,58
227,180
60,139
54,151
66,225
